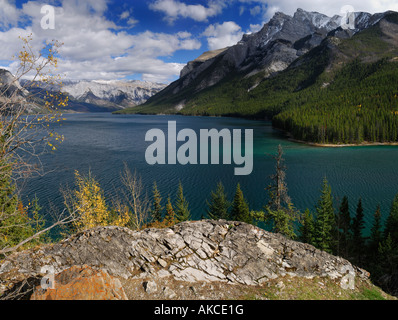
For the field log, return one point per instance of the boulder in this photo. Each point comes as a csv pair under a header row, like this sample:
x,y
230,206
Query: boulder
x,y
82,283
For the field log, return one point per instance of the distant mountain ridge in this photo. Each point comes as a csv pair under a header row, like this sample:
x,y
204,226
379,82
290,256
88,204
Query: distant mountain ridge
x,y
123,93
101,95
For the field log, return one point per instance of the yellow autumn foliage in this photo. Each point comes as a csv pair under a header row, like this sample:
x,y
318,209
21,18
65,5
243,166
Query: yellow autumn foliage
x,y
88,204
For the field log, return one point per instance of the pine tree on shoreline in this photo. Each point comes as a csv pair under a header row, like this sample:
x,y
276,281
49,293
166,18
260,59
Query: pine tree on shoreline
x,y
157,208
325,219
181,207
240,209
219,205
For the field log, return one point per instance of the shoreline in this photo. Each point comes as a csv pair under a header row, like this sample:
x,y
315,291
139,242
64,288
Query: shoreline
x,y
344,145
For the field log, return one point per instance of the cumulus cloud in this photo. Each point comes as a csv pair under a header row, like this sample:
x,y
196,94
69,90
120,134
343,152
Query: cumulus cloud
x,y
95,47
174,9
223,35
161,44
9,15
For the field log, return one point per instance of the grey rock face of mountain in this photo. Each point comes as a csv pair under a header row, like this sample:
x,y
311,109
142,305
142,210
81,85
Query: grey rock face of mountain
x,y
279,43
9,85
12,92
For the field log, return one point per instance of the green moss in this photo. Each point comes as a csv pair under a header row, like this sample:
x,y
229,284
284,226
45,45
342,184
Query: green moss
x,y
318,288
369,294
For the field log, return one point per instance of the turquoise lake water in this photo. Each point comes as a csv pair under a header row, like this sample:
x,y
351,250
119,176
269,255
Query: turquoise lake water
x,y
102,143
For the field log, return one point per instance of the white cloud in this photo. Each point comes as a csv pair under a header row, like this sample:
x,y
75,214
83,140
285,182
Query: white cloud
x,y
125,15
184,34
254,28
132,22
174,9
241,10
10,44
223,35
9,14
150,44
96,48
255,10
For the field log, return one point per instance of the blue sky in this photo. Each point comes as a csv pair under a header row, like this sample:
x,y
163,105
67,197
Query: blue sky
x,y
146,40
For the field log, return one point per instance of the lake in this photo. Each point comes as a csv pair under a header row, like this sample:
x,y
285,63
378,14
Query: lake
x,y
102,143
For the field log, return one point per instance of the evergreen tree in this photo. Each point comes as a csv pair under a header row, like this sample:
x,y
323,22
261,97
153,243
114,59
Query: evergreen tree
x,y
219,204
358,241
388,252
157,208
307,228
388,248
279,212
376,235
343,229
391,227
279,197
181,206
8,198
240,209
280,221
15,223
325,220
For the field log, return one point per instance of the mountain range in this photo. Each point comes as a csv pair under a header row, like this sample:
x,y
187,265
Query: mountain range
x,y
84,95
100,95
314,76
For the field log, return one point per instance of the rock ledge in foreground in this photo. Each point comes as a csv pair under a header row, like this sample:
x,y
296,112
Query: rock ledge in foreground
x,y
203,251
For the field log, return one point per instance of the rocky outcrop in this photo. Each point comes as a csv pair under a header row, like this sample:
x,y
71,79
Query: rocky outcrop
x,y
205,251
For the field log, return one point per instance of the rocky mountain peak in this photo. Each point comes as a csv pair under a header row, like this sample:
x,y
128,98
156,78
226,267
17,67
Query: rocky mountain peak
x,y
317,19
